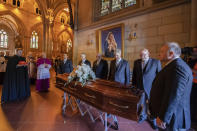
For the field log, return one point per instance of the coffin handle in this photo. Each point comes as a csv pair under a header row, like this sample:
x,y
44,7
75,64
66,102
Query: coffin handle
x,y
125,107
91,96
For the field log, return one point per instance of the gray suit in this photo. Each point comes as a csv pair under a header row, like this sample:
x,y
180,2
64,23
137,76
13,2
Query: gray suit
x,y
142,79
120,73
170,95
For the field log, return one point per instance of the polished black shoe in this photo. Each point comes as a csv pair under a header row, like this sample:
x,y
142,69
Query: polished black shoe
x,y
116,125
141,119
153,124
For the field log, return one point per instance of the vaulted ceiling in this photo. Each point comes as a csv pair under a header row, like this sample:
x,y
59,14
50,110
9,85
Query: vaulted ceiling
x,y
55,5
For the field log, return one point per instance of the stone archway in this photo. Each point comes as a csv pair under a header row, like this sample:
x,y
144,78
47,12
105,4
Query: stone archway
x,y
15,27
61,43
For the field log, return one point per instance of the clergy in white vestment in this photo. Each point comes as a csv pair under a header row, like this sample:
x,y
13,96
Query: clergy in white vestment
x,y
43,74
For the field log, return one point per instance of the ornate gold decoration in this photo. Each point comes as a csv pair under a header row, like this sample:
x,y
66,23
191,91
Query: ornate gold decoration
x,y
50,15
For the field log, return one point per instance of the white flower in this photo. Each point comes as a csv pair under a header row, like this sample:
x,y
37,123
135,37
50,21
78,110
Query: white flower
x,y
83,73
80,79
85,76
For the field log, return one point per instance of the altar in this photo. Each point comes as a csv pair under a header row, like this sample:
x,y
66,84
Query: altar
x,y
106,96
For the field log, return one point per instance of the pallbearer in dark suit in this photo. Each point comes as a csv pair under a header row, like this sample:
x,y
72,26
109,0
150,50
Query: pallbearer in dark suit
x,y
100,67
83,60
144,72
119,69
57,65
66,65
170,93
119,72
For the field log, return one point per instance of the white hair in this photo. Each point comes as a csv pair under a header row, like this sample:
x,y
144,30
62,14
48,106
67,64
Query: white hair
x,y
43,54
145,50
83,54
99,54
175,48
118,51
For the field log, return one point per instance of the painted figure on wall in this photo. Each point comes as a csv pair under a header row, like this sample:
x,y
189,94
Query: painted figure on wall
x,y
18,42
111,40
110,45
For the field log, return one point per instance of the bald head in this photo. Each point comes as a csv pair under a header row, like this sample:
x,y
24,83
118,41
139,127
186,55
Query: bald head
x,y
98,56
118,54
19,52
170,51
144,54
44,55
83,56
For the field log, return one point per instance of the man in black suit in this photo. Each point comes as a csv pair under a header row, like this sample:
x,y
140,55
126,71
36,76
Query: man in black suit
x,y
170,93
100,67
144,72
66,65
57,65
119,69
83,60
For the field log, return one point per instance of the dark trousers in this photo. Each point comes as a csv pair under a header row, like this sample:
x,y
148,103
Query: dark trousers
x,y
142,106
193,102
143,109
2,74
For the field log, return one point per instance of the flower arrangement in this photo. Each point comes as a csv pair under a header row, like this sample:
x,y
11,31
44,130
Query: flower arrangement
x,y
81,74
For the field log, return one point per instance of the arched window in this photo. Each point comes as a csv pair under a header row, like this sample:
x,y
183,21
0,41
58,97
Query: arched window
x,y
69,45
110,6
34,40
3,39
62,20
38,11
16,3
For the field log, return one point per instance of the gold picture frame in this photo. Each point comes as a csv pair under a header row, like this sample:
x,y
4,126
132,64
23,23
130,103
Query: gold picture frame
x,y
109,39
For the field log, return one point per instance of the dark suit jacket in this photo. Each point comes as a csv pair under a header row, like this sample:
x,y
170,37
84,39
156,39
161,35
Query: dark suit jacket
x,y
121,73
57,66
143,79
101,70
67,67
87,62
170,94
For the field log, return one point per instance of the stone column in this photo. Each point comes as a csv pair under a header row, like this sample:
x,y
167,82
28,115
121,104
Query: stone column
x,y
75,40
194,23
26,44
47,33
75,48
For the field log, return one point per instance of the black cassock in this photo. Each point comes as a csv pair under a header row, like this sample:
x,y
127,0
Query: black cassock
x,y
16,82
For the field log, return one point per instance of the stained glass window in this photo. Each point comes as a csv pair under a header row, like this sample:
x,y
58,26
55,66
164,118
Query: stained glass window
x,y
116,5
34,40
3,39
130,3
69,45
109,6
105,7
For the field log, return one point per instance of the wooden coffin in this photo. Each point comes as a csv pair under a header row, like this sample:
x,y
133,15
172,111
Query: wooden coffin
x,y
107,96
